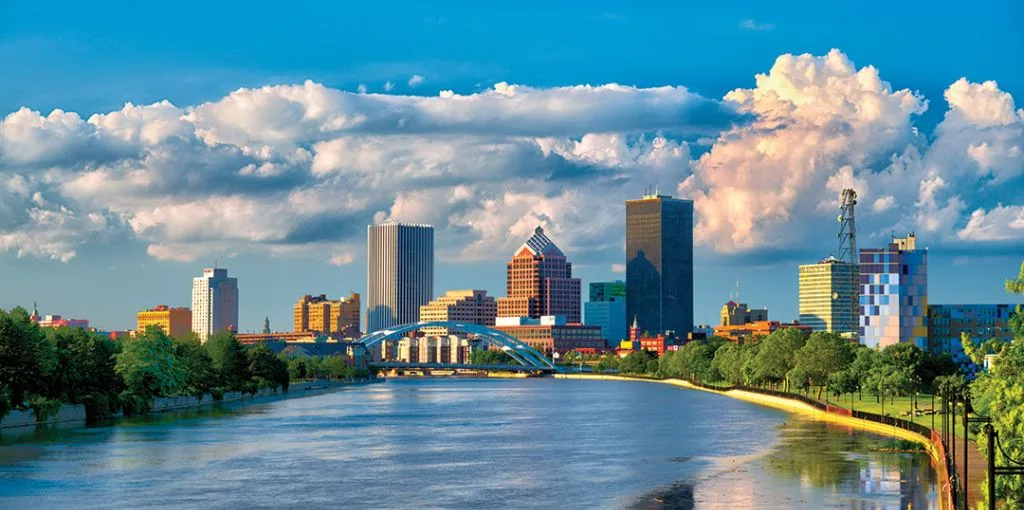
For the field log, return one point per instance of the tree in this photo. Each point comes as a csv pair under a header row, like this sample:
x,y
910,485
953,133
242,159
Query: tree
x,y
824,354
229,360
775,357
490,357
335,366
192,357
26,360
148,366
84,370
728,362
636,362
999,395
267,370
607,362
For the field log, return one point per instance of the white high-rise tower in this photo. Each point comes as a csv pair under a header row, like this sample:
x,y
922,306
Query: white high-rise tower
x,y
214,303
399,273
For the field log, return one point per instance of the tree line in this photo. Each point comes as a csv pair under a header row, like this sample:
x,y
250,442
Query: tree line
x,y
789,359
43,368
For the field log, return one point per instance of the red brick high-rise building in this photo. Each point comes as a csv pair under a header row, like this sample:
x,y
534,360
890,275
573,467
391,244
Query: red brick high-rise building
x,y
540,282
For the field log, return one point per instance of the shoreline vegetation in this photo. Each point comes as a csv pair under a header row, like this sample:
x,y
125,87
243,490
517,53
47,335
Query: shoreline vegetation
x,y
45,370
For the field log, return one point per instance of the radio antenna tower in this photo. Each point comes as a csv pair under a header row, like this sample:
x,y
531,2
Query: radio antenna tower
x,y
847,227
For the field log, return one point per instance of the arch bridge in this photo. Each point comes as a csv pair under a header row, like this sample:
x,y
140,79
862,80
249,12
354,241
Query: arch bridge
x,y
516,349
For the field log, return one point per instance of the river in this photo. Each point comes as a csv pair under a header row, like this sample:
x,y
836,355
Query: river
x,y
467,443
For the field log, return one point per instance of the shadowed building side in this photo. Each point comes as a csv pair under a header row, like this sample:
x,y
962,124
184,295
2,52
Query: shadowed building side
x,y
659,264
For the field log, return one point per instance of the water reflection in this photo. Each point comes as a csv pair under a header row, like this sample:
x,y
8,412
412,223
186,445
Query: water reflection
x,y
466,444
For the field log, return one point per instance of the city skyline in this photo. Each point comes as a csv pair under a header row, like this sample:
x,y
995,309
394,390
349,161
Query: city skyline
x,y
273,165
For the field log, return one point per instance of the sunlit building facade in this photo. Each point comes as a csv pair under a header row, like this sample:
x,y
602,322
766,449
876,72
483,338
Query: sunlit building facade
x,y
317,314
467,306
214,303
830,296
894,294
175,322
539,282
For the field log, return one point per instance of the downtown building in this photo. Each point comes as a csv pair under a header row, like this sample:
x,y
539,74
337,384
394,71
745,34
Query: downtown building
x,y
317,314
399,273
979,322
539,282
214,303
607,310
830,296
466,306
894,294
659,264
550,334
175,322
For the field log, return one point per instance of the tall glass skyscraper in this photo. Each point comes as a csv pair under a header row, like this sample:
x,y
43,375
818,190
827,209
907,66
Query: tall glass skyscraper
x,y
659,264
399,273
894,294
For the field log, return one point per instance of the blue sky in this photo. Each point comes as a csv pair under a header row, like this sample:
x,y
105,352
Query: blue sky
x,y
111,203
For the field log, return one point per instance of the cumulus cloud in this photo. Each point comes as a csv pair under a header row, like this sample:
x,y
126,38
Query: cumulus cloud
x,y
415,81
388,86
281,169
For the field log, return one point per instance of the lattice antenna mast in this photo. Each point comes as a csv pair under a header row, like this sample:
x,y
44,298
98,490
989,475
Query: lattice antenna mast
x,y
847,227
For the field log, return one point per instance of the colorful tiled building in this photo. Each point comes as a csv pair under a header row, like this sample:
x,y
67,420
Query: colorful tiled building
x,y
894,294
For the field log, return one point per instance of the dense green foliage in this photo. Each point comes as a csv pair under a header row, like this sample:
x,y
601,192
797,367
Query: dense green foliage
x,y
999,395
792,358
490,357
40,369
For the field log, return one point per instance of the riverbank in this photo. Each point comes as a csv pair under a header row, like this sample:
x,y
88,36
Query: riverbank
x,y
802,408
185,403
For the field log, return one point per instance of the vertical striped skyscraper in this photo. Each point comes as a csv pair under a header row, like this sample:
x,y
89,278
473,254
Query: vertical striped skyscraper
x,y
399,273
214,303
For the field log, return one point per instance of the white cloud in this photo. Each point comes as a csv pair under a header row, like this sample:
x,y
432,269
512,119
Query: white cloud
x,y
281,169
618,268
1001,223
415,81
342,259
883,203
361,88
388,86
752,24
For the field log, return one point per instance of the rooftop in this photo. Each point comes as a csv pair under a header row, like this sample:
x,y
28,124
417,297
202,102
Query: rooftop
x,y
540,244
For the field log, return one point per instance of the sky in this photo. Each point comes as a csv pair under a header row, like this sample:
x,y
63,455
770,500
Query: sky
x,y
143,142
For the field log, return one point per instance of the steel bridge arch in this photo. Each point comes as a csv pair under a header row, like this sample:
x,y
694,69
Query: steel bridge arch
x,y
508,344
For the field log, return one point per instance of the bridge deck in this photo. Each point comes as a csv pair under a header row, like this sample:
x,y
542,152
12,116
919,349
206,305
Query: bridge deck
x,y
459,366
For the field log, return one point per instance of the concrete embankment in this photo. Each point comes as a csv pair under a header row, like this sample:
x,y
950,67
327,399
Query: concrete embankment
x,y
70,416
798,407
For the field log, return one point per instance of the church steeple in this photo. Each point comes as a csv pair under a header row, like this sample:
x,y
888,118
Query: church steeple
x,y
634,331
266,325
35,313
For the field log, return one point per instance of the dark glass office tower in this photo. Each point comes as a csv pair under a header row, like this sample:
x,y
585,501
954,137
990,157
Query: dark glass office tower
x,y
659,264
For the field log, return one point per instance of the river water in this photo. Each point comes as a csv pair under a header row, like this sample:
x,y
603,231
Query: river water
x,y
467,443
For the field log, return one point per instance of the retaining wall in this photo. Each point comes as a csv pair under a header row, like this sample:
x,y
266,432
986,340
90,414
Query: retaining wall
x,y
67,413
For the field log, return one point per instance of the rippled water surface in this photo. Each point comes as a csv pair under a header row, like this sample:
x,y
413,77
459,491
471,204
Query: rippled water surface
x,y
467,443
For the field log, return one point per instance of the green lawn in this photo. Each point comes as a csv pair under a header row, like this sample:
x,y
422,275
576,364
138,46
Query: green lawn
x,y
898,407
